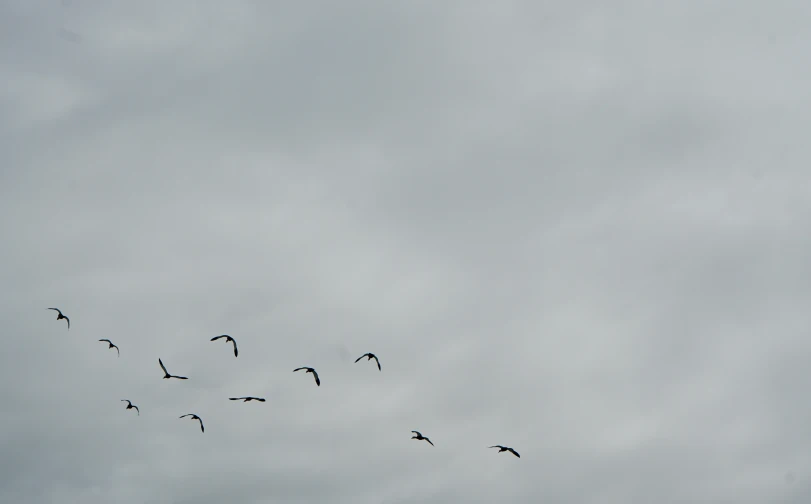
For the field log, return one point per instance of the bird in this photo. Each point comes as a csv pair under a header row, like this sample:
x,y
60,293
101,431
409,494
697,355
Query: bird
x,y
166,373
246,399
112,346
227,339
369,356
310,370
420,437
60,316
195,417
505,448
131,406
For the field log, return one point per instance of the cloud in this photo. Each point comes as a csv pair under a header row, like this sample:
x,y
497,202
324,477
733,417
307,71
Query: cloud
x,y
573,230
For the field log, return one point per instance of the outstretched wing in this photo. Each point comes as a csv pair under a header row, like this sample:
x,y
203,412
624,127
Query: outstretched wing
x,y
497,446
116,349
201,424
126,401
317,379
56,309
162,366
432,444
106,340
513,452
378,363
235,398
187,414
179,377
299,369
215,338
136,409
236,352
416,432
67,320
359,358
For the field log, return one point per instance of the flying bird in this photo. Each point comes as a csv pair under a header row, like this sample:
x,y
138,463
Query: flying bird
x,y
247,399
112,346
166,373
420,437
369,356
195,417
131,406
60,316
505,448
227,339
310,370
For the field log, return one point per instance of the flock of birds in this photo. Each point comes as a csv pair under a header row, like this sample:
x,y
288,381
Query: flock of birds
x,y
228,339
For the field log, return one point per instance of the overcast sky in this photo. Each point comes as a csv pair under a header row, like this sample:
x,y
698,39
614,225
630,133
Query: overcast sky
x,y
579,229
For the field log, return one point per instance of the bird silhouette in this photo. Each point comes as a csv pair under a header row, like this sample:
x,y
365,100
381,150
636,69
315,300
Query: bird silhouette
x,y
310,370
194,417
60,316
166,373
420,437
112,346
247,399
370,357
227,339
506,448
131,406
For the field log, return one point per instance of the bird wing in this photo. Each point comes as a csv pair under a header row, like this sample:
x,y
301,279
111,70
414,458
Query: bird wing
x,y
179,377
513,452
108,341
299,369
116,349
317,379
236,352
497,446
67,320
201,424
432,444
57,309
378,363
215,338
416,432
126,401
359,358
162,366
187,414
235,398
136,409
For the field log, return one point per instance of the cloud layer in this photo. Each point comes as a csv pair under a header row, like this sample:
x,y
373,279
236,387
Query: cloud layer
x,y
567,228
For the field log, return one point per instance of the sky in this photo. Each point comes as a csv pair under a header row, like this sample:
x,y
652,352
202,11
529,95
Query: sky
x,y
572,228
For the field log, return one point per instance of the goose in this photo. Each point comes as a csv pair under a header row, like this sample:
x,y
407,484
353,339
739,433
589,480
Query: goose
x,y
227,339
369,356
194,417
112,346
506,448
310,370
60,316
420,437
166,374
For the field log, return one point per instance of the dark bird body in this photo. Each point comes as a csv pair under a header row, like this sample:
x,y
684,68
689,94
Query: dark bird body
x,y
369,357
60,316
228,339
420,437
131,406
247,399
195,417
112,346
310,370
166,374
506,448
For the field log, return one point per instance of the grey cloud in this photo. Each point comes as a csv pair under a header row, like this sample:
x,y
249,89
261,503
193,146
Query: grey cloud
x,y
571,229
